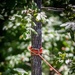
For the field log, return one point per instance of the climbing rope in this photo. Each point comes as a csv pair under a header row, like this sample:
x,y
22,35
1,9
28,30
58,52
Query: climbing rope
x,y
35,51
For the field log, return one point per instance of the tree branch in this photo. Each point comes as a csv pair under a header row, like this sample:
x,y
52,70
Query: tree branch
x,y
53,9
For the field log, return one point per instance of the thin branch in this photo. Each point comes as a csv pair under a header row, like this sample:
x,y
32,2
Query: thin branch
x,y
53,9
57,9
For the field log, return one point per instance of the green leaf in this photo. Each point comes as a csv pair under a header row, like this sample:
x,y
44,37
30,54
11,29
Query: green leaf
x,y
20,70
1,17
32,30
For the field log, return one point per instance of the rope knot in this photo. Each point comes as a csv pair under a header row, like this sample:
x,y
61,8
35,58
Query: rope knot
x,y
35,51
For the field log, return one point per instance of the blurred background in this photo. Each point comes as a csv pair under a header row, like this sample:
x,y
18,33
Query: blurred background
x,y
15,29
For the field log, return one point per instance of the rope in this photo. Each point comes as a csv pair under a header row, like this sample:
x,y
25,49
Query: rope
x,y
35,51
38,52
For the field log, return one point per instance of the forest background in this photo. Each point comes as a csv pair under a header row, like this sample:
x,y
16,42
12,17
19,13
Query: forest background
x,y
15,27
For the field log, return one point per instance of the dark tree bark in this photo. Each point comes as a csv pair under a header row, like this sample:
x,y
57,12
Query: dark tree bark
x,y
51,72
36,43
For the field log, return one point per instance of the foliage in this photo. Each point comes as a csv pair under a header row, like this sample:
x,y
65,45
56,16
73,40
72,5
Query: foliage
x,y
59,48
16,20
70,27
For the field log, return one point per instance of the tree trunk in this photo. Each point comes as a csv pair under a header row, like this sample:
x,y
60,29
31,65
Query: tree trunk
x,y
36,43
51,72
